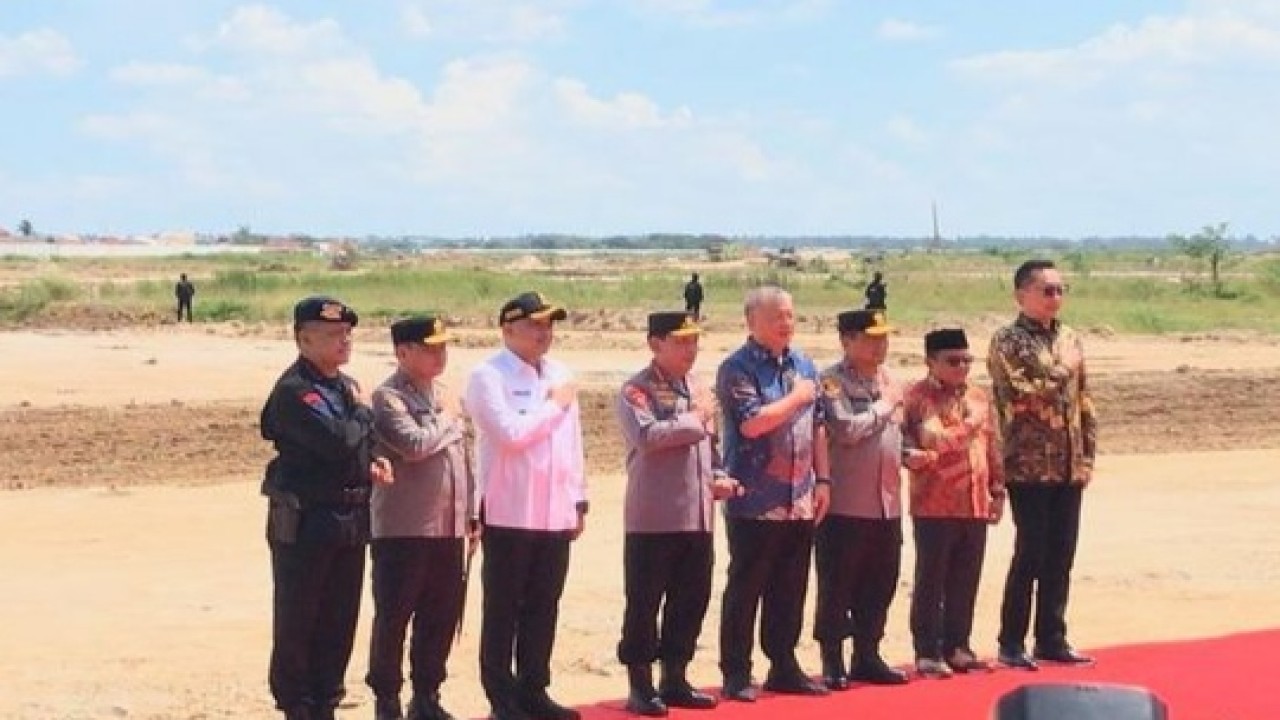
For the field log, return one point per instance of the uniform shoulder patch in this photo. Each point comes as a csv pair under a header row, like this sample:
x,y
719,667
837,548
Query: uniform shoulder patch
x,y
831,385
313,398
636,396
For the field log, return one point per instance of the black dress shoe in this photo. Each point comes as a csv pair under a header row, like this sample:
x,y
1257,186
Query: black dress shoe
x,y
739,690
964,660
837,682
1063,655
539,706
834,674
794,683
646,704
876,672
427,707
508,713
688,697
1017,658
387,708
507,709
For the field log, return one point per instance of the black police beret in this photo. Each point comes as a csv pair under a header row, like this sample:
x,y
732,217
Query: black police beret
x,y
425,329
871,322
322,308
945,339
672,323
529,305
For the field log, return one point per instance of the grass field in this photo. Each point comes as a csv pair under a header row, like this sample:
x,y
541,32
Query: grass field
x,y
1125,292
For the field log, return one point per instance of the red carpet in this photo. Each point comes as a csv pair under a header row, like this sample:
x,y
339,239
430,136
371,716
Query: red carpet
x,y
1226,678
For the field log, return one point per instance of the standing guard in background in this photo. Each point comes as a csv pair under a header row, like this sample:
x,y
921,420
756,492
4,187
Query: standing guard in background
x,y
318,486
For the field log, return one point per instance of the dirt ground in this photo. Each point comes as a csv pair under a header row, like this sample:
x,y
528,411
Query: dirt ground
x,y
138,579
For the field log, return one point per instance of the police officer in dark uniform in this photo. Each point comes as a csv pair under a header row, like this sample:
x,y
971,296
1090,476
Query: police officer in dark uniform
x,y
318,487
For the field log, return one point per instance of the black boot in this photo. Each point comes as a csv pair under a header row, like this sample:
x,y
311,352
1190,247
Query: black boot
x,y
387,707
834,675
298,712
678,693
869,667
426,706
643,699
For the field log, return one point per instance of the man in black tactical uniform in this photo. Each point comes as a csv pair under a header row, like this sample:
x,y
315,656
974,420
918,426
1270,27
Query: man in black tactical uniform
x,y
184,290
318,487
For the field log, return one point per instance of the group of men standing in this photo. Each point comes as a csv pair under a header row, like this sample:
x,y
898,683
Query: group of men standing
x,y
806,462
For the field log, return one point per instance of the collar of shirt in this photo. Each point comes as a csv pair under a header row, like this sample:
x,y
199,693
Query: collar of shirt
x,y
937,387
761,354
661,380
1036,327
514,362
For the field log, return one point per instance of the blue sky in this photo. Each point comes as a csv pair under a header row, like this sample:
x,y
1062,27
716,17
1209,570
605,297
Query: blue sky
x,y
477,117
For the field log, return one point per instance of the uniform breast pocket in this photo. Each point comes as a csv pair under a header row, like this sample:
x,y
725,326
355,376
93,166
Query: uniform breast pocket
x,y
860,404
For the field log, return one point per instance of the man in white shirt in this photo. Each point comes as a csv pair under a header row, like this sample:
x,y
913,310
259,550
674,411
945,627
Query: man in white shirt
x,y
533,499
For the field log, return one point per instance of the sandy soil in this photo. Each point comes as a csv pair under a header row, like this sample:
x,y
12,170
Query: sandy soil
x,y
139,581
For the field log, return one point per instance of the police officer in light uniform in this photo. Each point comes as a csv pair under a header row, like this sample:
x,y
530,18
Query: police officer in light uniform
x,y
318,486
858,548
420,523
674,475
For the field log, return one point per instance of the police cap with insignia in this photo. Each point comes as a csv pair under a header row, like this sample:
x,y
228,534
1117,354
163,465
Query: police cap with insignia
x,y
672,324
529,305
945,339
322,308
420,329
871,322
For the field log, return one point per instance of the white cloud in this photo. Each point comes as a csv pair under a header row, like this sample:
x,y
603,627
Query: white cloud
x,y
37,52
1165,120
906,131
625,110
497,22
261,29
158,74
413,17
896,30
714,13
1176,43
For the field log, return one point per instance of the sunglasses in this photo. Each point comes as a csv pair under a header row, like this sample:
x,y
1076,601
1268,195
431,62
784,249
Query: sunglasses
x,y
1055,290
957,360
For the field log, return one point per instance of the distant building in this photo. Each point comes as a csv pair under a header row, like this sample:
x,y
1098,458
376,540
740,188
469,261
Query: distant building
x,y
176,237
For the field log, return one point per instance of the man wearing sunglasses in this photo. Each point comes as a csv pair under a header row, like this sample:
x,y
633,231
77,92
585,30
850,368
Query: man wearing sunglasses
x,y
957,488
1049,432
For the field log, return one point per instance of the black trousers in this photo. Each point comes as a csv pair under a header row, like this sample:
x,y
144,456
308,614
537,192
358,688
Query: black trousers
x,y
315,608
949,554
768,569
1047,518
858,561
184,309
418,579
523,573
671,571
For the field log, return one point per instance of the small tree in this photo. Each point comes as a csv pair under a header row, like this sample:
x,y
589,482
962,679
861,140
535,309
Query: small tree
x,y
25,229
1211,245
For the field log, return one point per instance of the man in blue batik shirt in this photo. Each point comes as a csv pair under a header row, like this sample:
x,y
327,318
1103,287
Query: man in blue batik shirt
x,y
775,446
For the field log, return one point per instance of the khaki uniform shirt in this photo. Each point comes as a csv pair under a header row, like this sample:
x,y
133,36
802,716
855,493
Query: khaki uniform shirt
x,y
671,454
434,492
865,443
